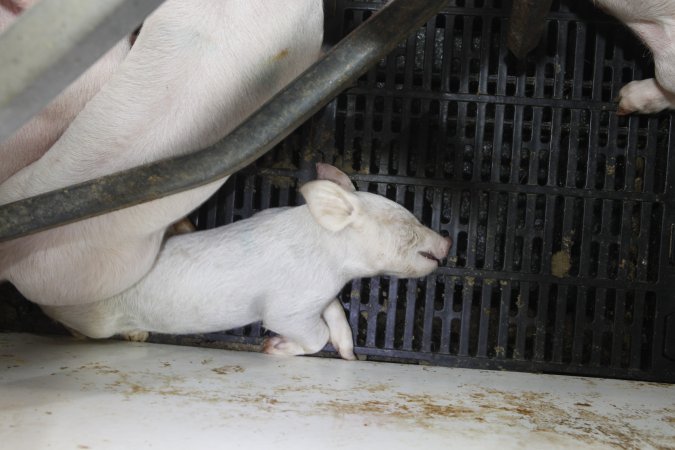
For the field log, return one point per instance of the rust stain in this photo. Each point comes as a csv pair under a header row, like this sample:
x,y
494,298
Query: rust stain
x,y
540,412
362,408
419,410
381,387
167,388
651,384
224,370
545,415
100,369
15,360
426,405
523,411
258,400
298,378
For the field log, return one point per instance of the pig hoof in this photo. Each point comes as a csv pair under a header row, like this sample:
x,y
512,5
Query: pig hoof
x,y
136,336
345,347
622,112
279,345
183,226
643,96
347,355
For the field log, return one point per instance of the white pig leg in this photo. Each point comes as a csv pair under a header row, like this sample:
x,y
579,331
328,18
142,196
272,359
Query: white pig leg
x,y
644,96
339,329
297,336
654,22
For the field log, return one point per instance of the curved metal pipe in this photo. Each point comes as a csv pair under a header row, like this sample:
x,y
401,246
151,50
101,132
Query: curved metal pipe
x,y
345,62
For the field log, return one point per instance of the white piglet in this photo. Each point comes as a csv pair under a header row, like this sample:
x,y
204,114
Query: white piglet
x,y
283,266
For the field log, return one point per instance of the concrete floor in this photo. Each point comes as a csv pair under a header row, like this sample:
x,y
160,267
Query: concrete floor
x,y
59,393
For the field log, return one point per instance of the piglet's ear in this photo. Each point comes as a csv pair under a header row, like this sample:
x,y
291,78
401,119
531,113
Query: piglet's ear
x,y
331,206
330,173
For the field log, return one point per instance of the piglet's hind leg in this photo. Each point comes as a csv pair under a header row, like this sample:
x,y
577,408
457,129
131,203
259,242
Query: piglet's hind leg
x,y
299,336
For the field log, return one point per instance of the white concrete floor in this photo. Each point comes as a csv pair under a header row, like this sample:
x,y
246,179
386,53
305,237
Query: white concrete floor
x,y
58,393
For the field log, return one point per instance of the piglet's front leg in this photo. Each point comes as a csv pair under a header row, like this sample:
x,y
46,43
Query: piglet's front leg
x,y
339,330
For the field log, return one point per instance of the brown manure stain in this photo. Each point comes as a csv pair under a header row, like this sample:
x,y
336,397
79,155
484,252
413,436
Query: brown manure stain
x,y
224,370
281,55
539,412
100,369
560,264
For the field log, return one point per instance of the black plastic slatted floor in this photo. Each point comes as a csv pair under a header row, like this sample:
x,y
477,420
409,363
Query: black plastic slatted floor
x,y
560,211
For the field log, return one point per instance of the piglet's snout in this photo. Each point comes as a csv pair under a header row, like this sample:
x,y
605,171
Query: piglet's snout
x,y
443,249
438,248
447,244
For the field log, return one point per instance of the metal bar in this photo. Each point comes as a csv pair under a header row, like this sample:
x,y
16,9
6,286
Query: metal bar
x,y
268,126
51,44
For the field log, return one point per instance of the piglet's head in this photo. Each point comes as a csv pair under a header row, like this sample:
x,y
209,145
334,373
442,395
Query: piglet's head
x,y
382,236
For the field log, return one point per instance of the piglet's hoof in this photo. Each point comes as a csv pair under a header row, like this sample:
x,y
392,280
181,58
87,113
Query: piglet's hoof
x,y
644,96
347,355
136,336
183,226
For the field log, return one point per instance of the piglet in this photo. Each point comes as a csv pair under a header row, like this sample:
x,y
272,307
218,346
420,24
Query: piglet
x,y
283,266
